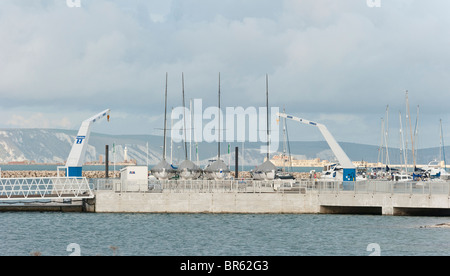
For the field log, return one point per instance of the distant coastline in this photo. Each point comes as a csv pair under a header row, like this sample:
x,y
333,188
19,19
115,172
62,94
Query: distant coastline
x,y
28,163
284,161
278,162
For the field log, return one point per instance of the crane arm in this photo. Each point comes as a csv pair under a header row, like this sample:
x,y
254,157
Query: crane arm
x,y
78,151
332,143
99,116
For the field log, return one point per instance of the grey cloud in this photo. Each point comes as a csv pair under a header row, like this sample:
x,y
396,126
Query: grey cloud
x,y
323,57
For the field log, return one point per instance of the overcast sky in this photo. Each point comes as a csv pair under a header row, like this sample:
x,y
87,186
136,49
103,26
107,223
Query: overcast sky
x,y
336,62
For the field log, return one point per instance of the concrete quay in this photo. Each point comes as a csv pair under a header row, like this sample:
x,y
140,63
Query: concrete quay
x,y
253,197
112,202
266,201
385,204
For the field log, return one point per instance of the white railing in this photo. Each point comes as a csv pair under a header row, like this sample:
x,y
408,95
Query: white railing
x,y
278,186
20,189
377,187
196,186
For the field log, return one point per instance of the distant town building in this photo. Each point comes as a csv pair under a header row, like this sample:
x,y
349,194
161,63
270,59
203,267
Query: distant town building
x,y
283,161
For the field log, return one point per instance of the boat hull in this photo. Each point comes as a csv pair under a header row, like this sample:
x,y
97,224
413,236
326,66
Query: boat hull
x,y
164,175
189,175
263,175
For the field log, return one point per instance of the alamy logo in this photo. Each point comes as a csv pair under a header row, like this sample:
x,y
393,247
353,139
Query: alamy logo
x,y
374,3
236,124
73,3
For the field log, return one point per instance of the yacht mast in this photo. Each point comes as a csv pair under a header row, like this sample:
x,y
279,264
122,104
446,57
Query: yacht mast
x,y
165,120
416,136
381,148
386,136
443,147
171,140
284,141
402,142
410,129
218,144
267,110
184,118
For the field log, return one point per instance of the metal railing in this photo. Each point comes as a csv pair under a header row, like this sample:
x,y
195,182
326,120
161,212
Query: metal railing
x,y
217,186
19,189
275,186
197,186
122,186
377,187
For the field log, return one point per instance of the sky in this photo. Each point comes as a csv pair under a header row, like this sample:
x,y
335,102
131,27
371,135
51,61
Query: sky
x,y
339,63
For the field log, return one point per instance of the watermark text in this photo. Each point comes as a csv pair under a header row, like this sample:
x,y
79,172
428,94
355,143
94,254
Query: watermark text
x,y
374,3
73,3
237,124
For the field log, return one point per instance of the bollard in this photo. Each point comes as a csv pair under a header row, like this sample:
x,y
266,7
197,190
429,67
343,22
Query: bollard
x,y
236,163
107,161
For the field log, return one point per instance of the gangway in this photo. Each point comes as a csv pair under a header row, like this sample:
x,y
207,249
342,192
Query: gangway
x,y
73,186
75,160
44,188
344,160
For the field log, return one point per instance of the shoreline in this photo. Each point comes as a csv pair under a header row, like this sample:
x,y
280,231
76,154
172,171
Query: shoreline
x,y
112,174
46,174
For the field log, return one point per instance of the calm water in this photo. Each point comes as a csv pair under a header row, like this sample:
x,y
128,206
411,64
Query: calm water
x,y
230,234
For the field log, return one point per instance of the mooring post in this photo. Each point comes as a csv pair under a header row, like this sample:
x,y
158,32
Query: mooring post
x,y
107,161
236,163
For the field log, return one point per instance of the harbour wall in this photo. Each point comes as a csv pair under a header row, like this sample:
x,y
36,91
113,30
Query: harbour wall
x,y
273,203
112,202
34,174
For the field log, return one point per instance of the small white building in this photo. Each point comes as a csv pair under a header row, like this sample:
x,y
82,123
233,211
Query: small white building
x,y
134,179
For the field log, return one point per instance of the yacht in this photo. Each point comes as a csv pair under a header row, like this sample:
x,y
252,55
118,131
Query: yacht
x,y
434,170
265,171
402,177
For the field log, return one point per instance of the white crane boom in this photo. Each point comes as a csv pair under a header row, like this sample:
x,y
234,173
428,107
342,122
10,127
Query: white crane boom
x,y
341,156
76,156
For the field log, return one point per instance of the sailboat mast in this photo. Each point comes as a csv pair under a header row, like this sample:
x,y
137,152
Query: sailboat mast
x,y
284,141
386,136
443,147
288,144
165,119
218,144
267,110
402,149
410,129
184,117
416,135
243,154
380,149
191,125
171,140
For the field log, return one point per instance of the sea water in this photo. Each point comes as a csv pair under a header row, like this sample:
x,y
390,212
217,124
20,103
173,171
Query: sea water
x,y
90,234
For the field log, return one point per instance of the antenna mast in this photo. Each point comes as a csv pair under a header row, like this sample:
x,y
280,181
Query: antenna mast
x,y
410,129
443,147
165,120
218,150
267,118
184,117
387,136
